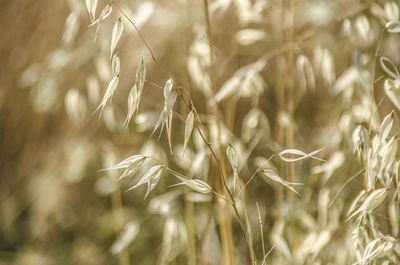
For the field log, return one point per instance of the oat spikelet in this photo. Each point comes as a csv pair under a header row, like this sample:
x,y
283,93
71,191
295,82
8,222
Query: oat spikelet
x,y
392,89
305,73
272,175
140,78
116,34
300,155
188,128
233,160
170,94
386,64
126,237
371,202
91,6
130,164
194,184
112,86
75,105
151,178
386,127
393,26
103,15
136,92
115,65
132,99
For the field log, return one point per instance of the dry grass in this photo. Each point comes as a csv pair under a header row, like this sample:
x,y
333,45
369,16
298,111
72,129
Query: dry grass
x,y
265,132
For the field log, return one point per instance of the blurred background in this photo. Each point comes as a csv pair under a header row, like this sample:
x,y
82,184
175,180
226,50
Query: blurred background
x,y
57,207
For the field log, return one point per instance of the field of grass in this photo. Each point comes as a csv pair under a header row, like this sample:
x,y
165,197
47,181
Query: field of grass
x,y
208,132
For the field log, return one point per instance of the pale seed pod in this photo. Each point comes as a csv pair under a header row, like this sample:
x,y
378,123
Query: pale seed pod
x,y
272,175
91,6
116,35
136,92
360,141
305,73
363,28
393,26
131,161
71,28
195,184
75,106
323,61
115,65
233,160
132,100
386,127
140,78
93,89
249,36
170,94
151,178
126,237
356,202
105,12
300,155
392,89
112,86
188,128
385,64
371,202
391,11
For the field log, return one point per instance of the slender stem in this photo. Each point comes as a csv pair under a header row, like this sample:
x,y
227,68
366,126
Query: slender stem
x,y
266,255
279,127
191,249
378,47
116,206
234,206
225,221
252,256
209,35
186,177
261,229
254,174
218,162
345,184
213,88
137,30
290,107
290,110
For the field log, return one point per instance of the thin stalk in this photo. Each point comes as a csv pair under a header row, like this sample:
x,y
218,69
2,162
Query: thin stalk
x,y
227,190
280,98
137,30
372,95
191,249
254,174
266,255
261,229
230,113
345,184
290,108
186,177
225,222
117,210
217,161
